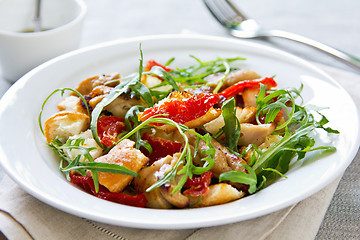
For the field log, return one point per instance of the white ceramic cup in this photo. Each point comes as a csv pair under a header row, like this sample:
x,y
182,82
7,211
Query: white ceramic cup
x,y
20,51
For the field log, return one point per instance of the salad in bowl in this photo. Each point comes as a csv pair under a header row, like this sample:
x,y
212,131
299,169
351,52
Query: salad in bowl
x,y
167,137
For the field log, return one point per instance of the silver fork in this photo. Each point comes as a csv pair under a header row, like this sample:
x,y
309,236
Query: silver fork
x,y
242,27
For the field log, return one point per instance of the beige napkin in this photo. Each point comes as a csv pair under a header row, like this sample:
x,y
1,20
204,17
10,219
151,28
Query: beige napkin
x,y
24,217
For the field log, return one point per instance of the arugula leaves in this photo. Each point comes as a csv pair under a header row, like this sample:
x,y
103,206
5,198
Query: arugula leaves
x,y
242,177
195,74
84,161
62,91
123,87
294,144
131,122
185,158
232,128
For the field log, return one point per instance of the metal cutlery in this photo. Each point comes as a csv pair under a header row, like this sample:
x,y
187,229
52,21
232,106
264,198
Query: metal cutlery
x,y
242,27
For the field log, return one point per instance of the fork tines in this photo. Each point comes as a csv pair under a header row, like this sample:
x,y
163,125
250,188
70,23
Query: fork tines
x,y
225,12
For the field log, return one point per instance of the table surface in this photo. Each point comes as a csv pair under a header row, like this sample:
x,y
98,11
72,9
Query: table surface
x,y
336,23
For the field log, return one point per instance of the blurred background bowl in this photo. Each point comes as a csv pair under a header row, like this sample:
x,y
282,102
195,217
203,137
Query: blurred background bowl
x,y
22,49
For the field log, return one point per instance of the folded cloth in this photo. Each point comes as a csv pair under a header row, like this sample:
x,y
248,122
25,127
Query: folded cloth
x,y
24,217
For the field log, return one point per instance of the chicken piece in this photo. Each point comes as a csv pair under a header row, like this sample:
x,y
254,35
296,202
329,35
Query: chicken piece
x,y
65,124
249,95
250,133
71,104
203,89
100,90
97,94
255,134
270,141
161,197
177,199
218,194
224,160
86,86
232,78
121,105
123,154
94,101
151,82
89,142
118,107
148,178
245,115
209,116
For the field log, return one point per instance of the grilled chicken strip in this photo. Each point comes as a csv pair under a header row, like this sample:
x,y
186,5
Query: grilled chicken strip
x,y
224,160
126,155
232,78
87,85
218,194
255,134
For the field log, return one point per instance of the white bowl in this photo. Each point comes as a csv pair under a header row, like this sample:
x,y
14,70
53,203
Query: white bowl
x,y
26,158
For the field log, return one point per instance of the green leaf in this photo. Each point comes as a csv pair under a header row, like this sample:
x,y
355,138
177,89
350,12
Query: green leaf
x,y
194,75
232,127
273,103
160,72
131,122
289,139
222,80
62,90
141,90
101,167
241,177
114,93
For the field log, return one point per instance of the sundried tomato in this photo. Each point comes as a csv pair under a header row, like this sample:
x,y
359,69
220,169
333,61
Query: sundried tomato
x,y
108,128
182,110
152,63
87,184
199,186
160,147
240,86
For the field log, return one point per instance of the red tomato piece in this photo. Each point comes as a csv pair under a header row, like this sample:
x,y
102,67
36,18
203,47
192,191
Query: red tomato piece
x,y
87,184
108,128
152,63
199,186
240,86
160,147
182,107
